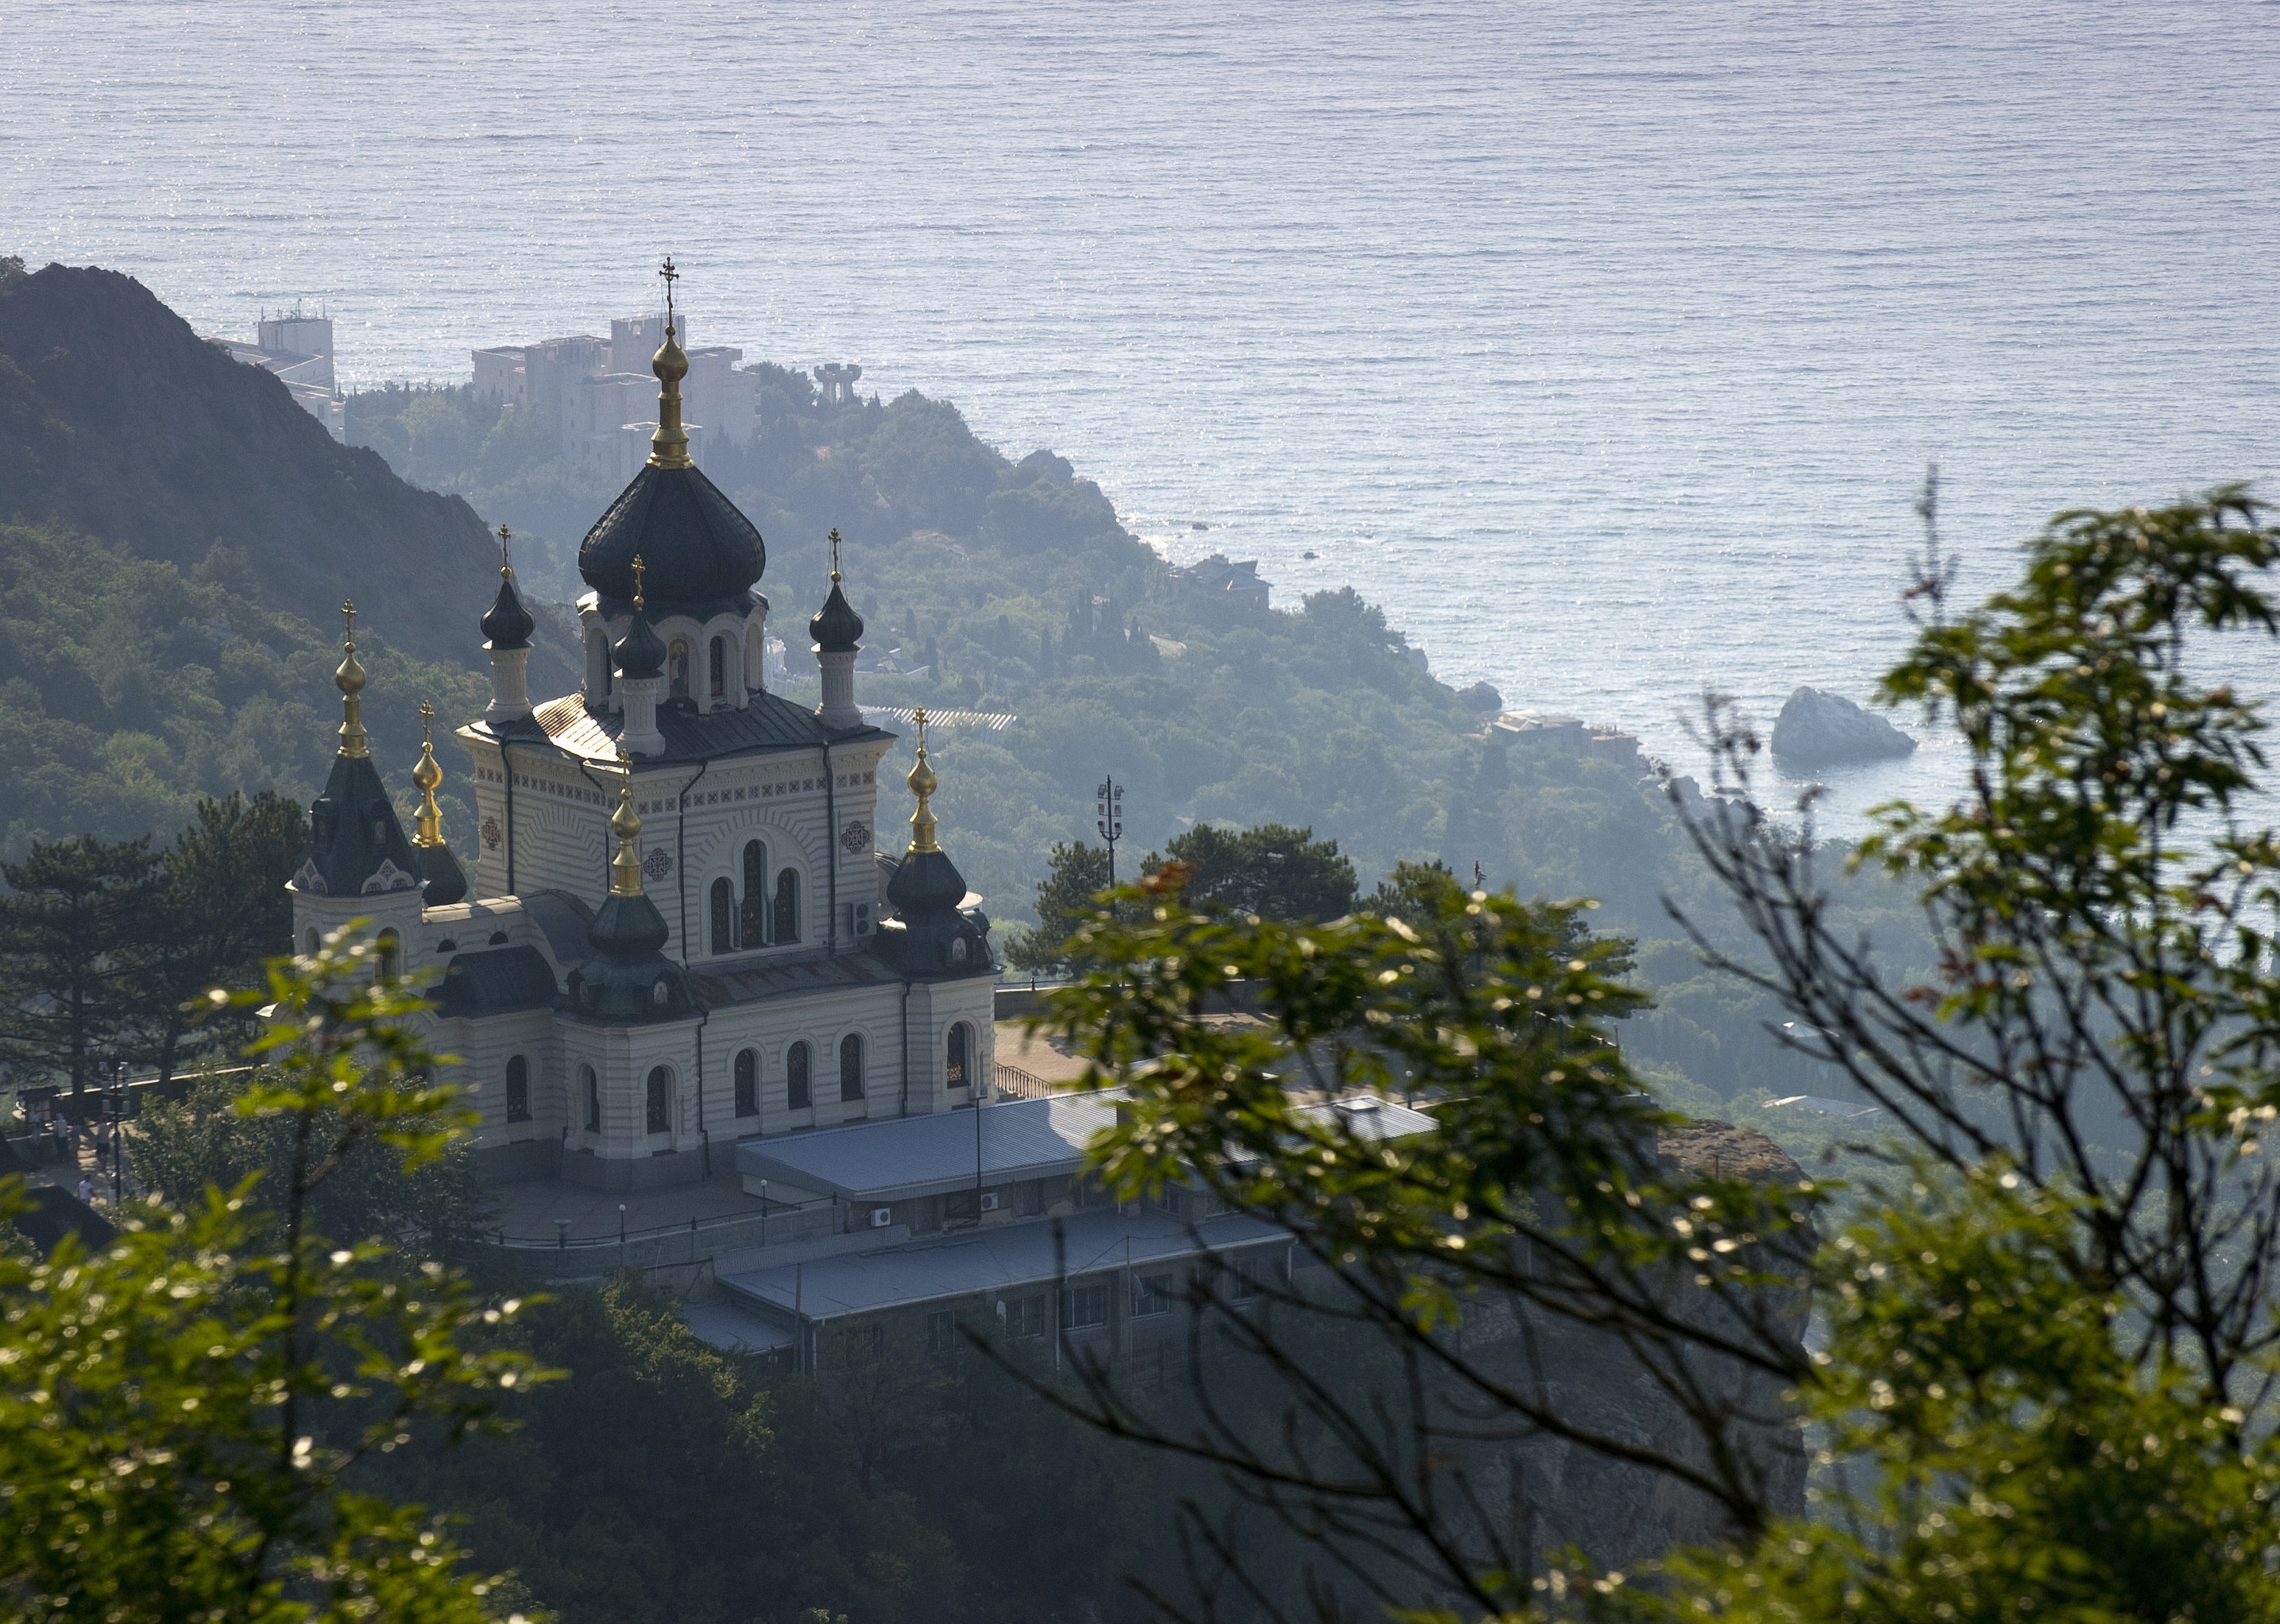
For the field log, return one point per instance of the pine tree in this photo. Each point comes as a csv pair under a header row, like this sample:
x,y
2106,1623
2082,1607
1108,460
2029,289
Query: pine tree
x,y
67,968
221,910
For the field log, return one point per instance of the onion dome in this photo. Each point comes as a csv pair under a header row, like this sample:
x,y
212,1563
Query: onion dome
x,y
836,627
356,846
931,935
698,546
446,881
926,882
506,623
349,678
627,977
640,651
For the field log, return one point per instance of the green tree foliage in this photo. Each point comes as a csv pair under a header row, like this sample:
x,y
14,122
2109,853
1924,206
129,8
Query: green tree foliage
x,y
879,1399
425,1206
1274,871
70,990
669,1482
106,951
221,912
2047,1389
181,1410
1074,874
1536,1201
128,693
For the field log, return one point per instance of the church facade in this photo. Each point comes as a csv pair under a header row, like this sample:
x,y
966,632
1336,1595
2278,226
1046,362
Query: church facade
x,y
678,930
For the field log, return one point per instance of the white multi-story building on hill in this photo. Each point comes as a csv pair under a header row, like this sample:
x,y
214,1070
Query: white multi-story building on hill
x,y
298,348
677,930
597,391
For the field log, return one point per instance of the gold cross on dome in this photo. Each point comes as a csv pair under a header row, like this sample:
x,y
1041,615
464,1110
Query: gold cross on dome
x,y
641,571
347,622
671,276
506,554
427,721
834,555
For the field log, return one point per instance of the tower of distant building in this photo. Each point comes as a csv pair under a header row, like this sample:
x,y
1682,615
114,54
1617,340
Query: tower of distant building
x,y
298,347
599,396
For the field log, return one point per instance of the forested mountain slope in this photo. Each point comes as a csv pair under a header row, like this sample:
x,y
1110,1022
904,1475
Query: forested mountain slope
x,y
129,689
118,422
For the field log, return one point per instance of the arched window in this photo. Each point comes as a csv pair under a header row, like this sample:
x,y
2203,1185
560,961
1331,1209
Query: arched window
x,y
591,1087
748,1083
676,665
660,1116
754,914
719,685
518,1089
786,907
755,658
391,954
724,917
796,1092
597,664
961,1054
314,944
850,1068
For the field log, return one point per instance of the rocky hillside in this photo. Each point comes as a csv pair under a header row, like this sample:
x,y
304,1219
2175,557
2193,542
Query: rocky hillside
x,y
118,422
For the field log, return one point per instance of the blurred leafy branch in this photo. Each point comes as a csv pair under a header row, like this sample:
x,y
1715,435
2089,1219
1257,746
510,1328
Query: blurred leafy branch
x,y
2048,1381
183,1408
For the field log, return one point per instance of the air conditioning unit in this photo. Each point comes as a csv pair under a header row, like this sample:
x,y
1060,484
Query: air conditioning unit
x,y
861,920
881,1216
989,1200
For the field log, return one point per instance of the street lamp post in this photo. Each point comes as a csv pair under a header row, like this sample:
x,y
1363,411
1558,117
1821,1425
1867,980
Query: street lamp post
x,y
1110,804
115,1107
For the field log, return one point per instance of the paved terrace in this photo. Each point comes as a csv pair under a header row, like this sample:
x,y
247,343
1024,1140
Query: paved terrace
x,y
531,1210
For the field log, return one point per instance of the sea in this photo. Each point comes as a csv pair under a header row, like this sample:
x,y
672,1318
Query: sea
x,y
1606,345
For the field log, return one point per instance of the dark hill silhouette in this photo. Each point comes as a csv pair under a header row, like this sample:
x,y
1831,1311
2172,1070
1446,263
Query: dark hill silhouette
x,y
118,422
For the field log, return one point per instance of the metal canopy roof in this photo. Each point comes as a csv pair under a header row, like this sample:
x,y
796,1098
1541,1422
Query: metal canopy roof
x,y
904,1157
1007,1258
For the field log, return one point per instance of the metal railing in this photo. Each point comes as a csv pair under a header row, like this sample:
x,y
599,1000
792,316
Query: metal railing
x,y
786,1223
37,1103
1020,1084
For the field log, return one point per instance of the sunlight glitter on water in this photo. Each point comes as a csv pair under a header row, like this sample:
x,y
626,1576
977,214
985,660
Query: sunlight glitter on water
x,y
1603,344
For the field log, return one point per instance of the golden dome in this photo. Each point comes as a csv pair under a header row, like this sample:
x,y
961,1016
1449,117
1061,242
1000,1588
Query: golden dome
x,y
349,678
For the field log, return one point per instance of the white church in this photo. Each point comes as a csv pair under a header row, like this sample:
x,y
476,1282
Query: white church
x,y
678,931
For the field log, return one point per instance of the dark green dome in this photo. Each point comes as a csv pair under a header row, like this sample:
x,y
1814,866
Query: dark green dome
x,y
447,881
640,651
506,623
926,882
930,935
693,543
627,978
836,627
